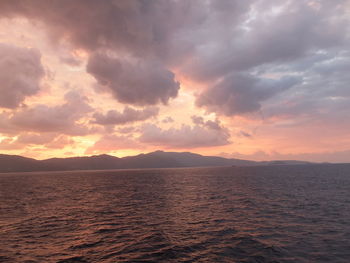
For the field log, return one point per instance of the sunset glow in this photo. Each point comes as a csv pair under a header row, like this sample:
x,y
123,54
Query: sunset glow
x,y
257,80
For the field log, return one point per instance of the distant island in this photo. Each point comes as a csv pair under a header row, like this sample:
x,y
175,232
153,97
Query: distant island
x,y
157,159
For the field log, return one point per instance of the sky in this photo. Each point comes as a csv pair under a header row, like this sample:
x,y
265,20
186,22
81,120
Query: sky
x,y
253,79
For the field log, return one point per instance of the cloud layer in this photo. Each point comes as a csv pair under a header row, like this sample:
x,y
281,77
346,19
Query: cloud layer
x,y
240,94
129,115
139,83
201,134
62,118
232,63
148,38
21,72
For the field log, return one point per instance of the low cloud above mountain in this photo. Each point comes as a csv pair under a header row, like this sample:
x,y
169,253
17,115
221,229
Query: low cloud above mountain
x,y
128,115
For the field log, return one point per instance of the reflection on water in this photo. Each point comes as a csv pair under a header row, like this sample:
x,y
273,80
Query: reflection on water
x,y
248,214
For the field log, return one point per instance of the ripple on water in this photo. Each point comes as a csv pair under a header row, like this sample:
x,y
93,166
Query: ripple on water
x,y
247,214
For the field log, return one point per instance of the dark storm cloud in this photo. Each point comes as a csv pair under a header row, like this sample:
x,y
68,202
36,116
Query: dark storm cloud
x,y
128,115
139,82
240,94
20,74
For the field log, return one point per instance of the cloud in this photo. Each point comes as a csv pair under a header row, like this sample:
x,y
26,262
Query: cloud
x,y
35,138
129,115
185,137
257,31
244,134
5,126
197,119
150,37
287,60
205,134
108,143
138,83
323,96
70,60
60,142
10,144
128,129
29,140
168,119
241,94
214,125
142,28
270,32
42,118
21,72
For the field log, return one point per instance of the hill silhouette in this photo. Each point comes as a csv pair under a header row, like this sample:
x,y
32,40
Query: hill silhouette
x,y
157,159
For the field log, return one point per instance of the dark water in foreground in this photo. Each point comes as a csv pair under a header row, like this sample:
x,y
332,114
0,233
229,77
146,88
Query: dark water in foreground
x,y
251,214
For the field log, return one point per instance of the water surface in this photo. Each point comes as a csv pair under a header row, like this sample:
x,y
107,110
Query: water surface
x,y
234,214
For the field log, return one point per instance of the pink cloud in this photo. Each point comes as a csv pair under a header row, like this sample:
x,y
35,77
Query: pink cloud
x,y
21,72
42,118
108,143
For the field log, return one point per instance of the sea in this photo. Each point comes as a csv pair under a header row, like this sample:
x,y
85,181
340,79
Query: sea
x,y
297,213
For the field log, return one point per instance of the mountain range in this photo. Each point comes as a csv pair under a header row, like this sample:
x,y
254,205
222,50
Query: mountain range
x,y
157,159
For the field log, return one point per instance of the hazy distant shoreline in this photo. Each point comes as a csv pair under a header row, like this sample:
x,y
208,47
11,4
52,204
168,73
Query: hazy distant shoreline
x,y
158,159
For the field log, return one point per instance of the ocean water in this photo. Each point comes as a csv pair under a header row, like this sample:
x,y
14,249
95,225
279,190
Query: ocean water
x,y
233,214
